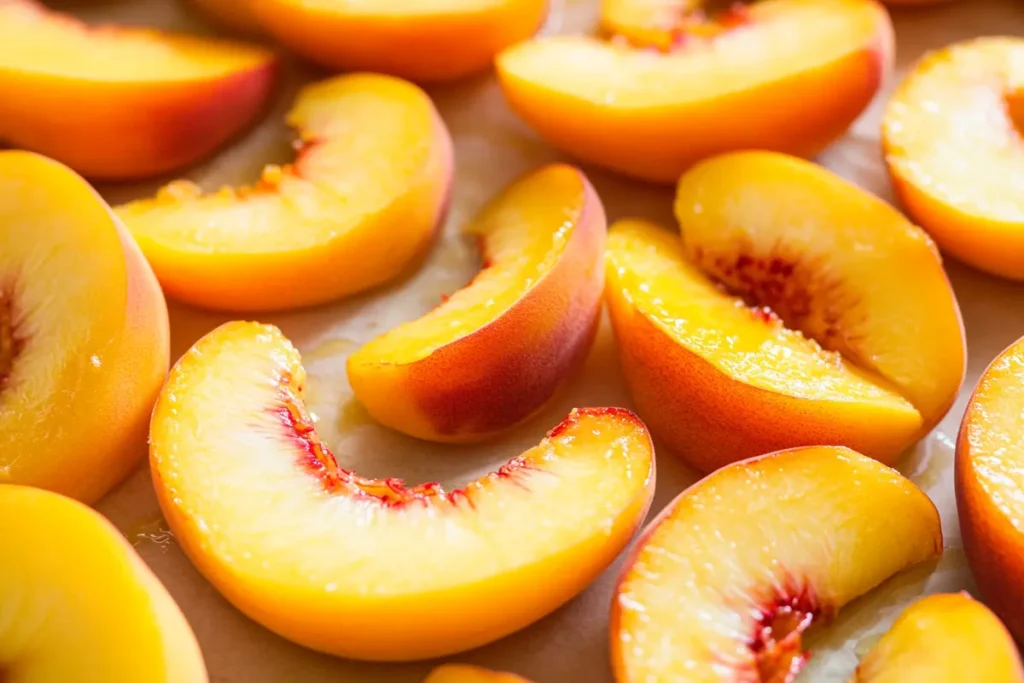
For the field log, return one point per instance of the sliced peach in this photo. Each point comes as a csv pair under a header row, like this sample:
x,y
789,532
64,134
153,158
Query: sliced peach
x,y
723,583
120,102
366,193
237,15
77,602
496,351
806,67
461,673
84,340
424,40
943,639
955,153
318,554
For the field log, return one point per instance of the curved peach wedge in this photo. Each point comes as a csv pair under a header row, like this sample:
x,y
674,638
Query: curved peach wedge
x,y
496,351
462,673
423,40
943,639
807,67
71,588
79,372
117,103
723,583
318,554
955,154
363,199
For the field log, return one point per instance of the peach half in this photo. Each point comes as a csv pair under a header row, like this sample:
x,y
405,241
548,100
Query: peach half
x,y
423,40
363,199
955,154
496,351
943,639
117,103
318,554
84,341
807,67
78,603
721,586
462,673
791,313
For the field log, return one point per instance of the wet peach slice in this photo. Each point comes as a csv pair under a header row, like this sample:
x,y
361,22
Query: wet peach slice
x,y
666,24
423,40
807,67
496,351
943,639
78,603
955,152
237,15
318,554
79,372
460,673
119,102
364,197
724,582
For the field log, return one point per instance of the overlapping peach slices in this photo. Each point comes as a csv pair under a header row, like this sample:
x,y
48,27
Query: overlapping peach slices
x,y
676,86
795,310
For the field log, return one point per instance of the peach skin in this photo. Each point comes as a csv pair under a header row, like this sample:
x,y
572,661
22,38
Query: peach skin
x,y
117,103
722,585
423,40
773,323
807,67
496,351
236,15
461,673
79,372
363,199
318,554
72,589
943,639
954,151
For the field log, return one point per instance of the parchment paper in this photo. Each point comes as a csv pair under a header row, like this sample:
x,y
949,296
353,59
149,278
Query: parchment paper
x,y
492,148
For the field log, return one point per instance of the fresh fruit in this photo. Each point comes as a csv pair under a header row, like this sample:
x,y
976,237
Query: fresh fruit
x,y
461,673
77,602
84,339
940,639
237,15
953,148
117,102
724,582
496,351
423,40
363,199
806,67
334,561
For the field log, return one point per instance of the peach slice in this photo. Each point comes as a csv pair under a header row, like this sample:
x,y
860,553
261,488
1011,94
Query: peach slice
x,y
666,24
943,639
496,351
119,102
807,67
84,341
461,673
237,15
723,583
955,154
317,554
423,40
364,198
72,590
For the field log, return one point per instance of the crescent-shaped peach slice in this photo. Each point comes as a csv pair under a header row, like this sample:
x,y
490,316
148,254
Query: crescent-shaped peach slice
x,y
463,673
496,351
318,554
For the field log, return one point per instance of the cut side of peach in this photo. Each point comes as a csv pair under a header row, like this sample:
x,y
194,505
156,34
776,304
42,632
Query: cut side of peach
x,y
808,67
317,554
119,102
363,199
497,350
72,591
462,673
955,153
943,639
657,23
79,372
724,582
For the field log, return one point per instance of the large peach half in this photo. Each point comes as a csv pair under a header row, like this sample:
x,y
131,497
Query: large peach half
x,y
497,350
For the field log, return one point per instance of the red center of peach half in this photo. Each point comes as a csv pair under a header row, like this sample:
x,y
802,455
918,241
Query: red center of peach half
x,y
722,585
372,569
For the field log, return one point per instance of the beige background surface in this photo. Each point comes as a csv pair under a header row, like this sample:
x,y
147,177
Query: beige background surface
x,y
493,147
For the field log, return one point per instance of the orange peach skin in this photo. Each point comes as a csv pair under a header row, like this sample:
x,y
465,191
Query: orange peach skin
x,y
462,673
121,119
423,40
